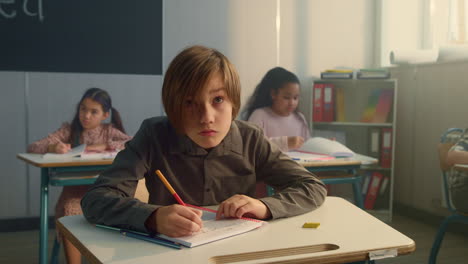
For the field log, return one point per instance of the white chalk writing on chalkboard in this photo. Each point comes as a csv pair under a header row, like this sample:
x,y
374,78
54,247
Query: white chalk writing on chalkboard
x,y
7,9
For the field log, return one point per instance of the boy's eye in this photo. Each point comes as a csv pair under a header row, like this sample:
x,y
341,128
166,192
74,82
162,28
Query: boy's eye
x,y
218,99
94,112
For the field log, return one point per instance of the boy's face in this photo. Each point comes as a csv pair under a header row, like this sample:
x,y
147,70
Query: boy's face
x,y
285,99
207,118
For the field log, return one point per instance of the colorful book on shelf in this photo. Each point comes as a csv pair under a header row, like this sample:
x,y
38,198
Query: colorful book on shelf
x,y
214,230
328,102
374,142
339,105
336,75
317,102
373,190
383,197
371,73
366,177
386,148
339,71
369,112
384,106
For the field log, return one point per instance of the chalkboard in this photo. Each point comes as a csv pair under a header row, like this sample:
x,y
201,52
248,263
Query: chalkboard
x,y
87,36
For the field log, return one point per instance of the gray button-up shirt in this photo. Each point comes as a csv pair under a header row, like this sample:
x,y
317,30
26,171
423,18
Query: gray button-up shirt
x,y
200,177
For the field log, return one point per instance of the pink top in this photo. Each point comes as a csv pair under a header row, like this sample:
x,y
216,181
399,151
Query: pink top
x,y
105,133
278,128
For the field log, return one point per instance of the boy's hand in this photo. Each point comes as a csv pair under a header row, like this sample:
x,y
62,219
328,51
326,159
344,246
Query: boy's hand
x,y
295,142
175,220
238,206
60,148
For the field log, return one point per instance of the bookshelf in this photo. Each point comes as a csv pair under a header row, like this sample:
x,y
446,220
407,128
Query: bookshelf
x,y
352,101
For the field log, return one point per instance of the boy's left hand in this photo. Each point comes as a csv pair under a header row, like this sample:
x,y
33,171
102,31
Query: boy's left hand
x,y
238,206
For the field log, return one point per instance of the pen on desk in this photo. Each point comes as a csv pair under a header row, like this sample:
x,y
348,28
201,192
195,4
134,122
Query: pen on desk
x,y
169,187
295,159
155,240
142,236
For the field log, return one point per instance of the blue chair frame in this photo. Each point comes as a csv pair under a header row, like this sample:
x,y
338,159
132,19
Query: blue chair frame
x,y
455,216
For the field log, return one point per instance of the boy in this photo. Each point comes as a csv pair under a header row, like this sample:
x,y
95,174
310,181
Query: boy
x,y
207,156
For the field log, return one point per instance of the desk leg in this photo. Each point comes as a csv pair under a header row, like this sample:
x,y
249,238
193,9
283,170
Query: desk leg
x,y
357,189
44,228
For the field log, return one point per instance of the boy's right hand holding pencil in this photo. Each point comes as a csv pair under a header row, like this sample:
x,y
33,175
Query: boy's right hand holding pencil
x,y
175,220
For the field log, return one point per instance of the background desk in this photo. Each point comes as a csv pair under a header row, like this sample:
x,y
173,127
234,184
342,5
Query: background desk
x,y
348,168
50,168
347,231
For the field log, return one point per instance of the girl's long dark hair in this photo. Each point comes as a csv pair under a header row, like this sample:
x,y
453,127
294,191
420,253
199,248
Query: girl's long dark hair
x,y
104,99
274,79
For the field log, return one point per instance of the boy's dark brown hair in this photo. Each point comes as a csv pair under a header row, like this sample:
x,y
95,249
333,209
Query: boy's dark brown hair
x,y
188,74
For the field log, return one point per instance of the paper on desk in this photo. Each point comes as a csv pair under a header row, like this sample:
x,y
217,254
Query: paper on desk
x,y
320,145
307,157
365,160
214,230
74,152
79,152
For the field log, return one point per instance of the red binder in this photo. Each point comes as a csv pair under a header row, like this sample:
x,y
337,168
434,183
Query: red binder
x,y
386,148
328,102
373,191
317,105
383,106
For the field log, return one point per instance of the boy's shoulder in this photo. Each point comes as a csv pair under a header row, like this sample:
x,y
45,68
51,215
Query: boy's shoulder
x,y
246,127
156,120
156,124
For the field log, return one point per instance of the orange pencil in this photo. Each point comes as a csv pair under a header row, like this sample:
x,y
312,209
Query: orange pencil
x,y
169,187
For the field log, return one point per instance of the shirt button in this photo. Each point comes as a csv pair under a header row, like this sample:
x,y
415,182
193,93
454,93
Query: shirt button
x,y
207,189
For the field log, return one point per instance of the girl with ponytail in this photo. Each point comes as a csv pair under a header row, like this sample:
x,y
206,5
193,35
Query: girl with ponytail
x,y
87,127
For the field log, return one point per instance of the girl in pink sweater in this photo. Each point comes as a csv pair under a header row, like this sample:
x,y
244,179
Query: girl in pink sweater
x,y
87,128
273,107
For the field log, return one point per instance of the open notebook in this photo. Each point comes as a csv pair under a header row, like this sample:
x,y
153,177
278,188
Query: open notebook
x,y
79,152
320,145
319,148
214,230
302,156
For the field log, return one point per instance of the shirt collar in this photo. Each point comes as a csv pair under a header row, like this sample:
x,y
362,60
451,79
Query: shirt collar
x,y
231,143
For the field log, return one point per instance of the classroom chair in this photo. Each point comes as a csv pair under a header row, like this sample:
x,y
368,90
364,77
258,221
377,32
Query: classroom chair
x,y
447,140
141,194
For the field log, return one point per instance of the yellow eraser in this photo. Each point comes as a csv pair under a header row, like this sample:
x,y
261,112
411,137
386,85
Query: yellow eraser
x,y
310,225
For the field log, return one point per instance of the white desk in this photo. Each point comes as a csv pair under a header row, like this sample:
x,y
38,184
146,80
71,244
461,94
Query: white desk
x,y
348,166
347,231
50,167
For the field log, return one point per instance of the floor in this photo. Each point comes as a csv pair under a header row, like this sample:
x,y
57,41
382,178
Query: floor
x,y
22,247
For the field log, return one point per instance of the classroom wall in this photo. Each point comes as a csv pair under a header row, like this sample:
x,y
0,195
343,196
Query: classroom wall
x,y
431,99
37,103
